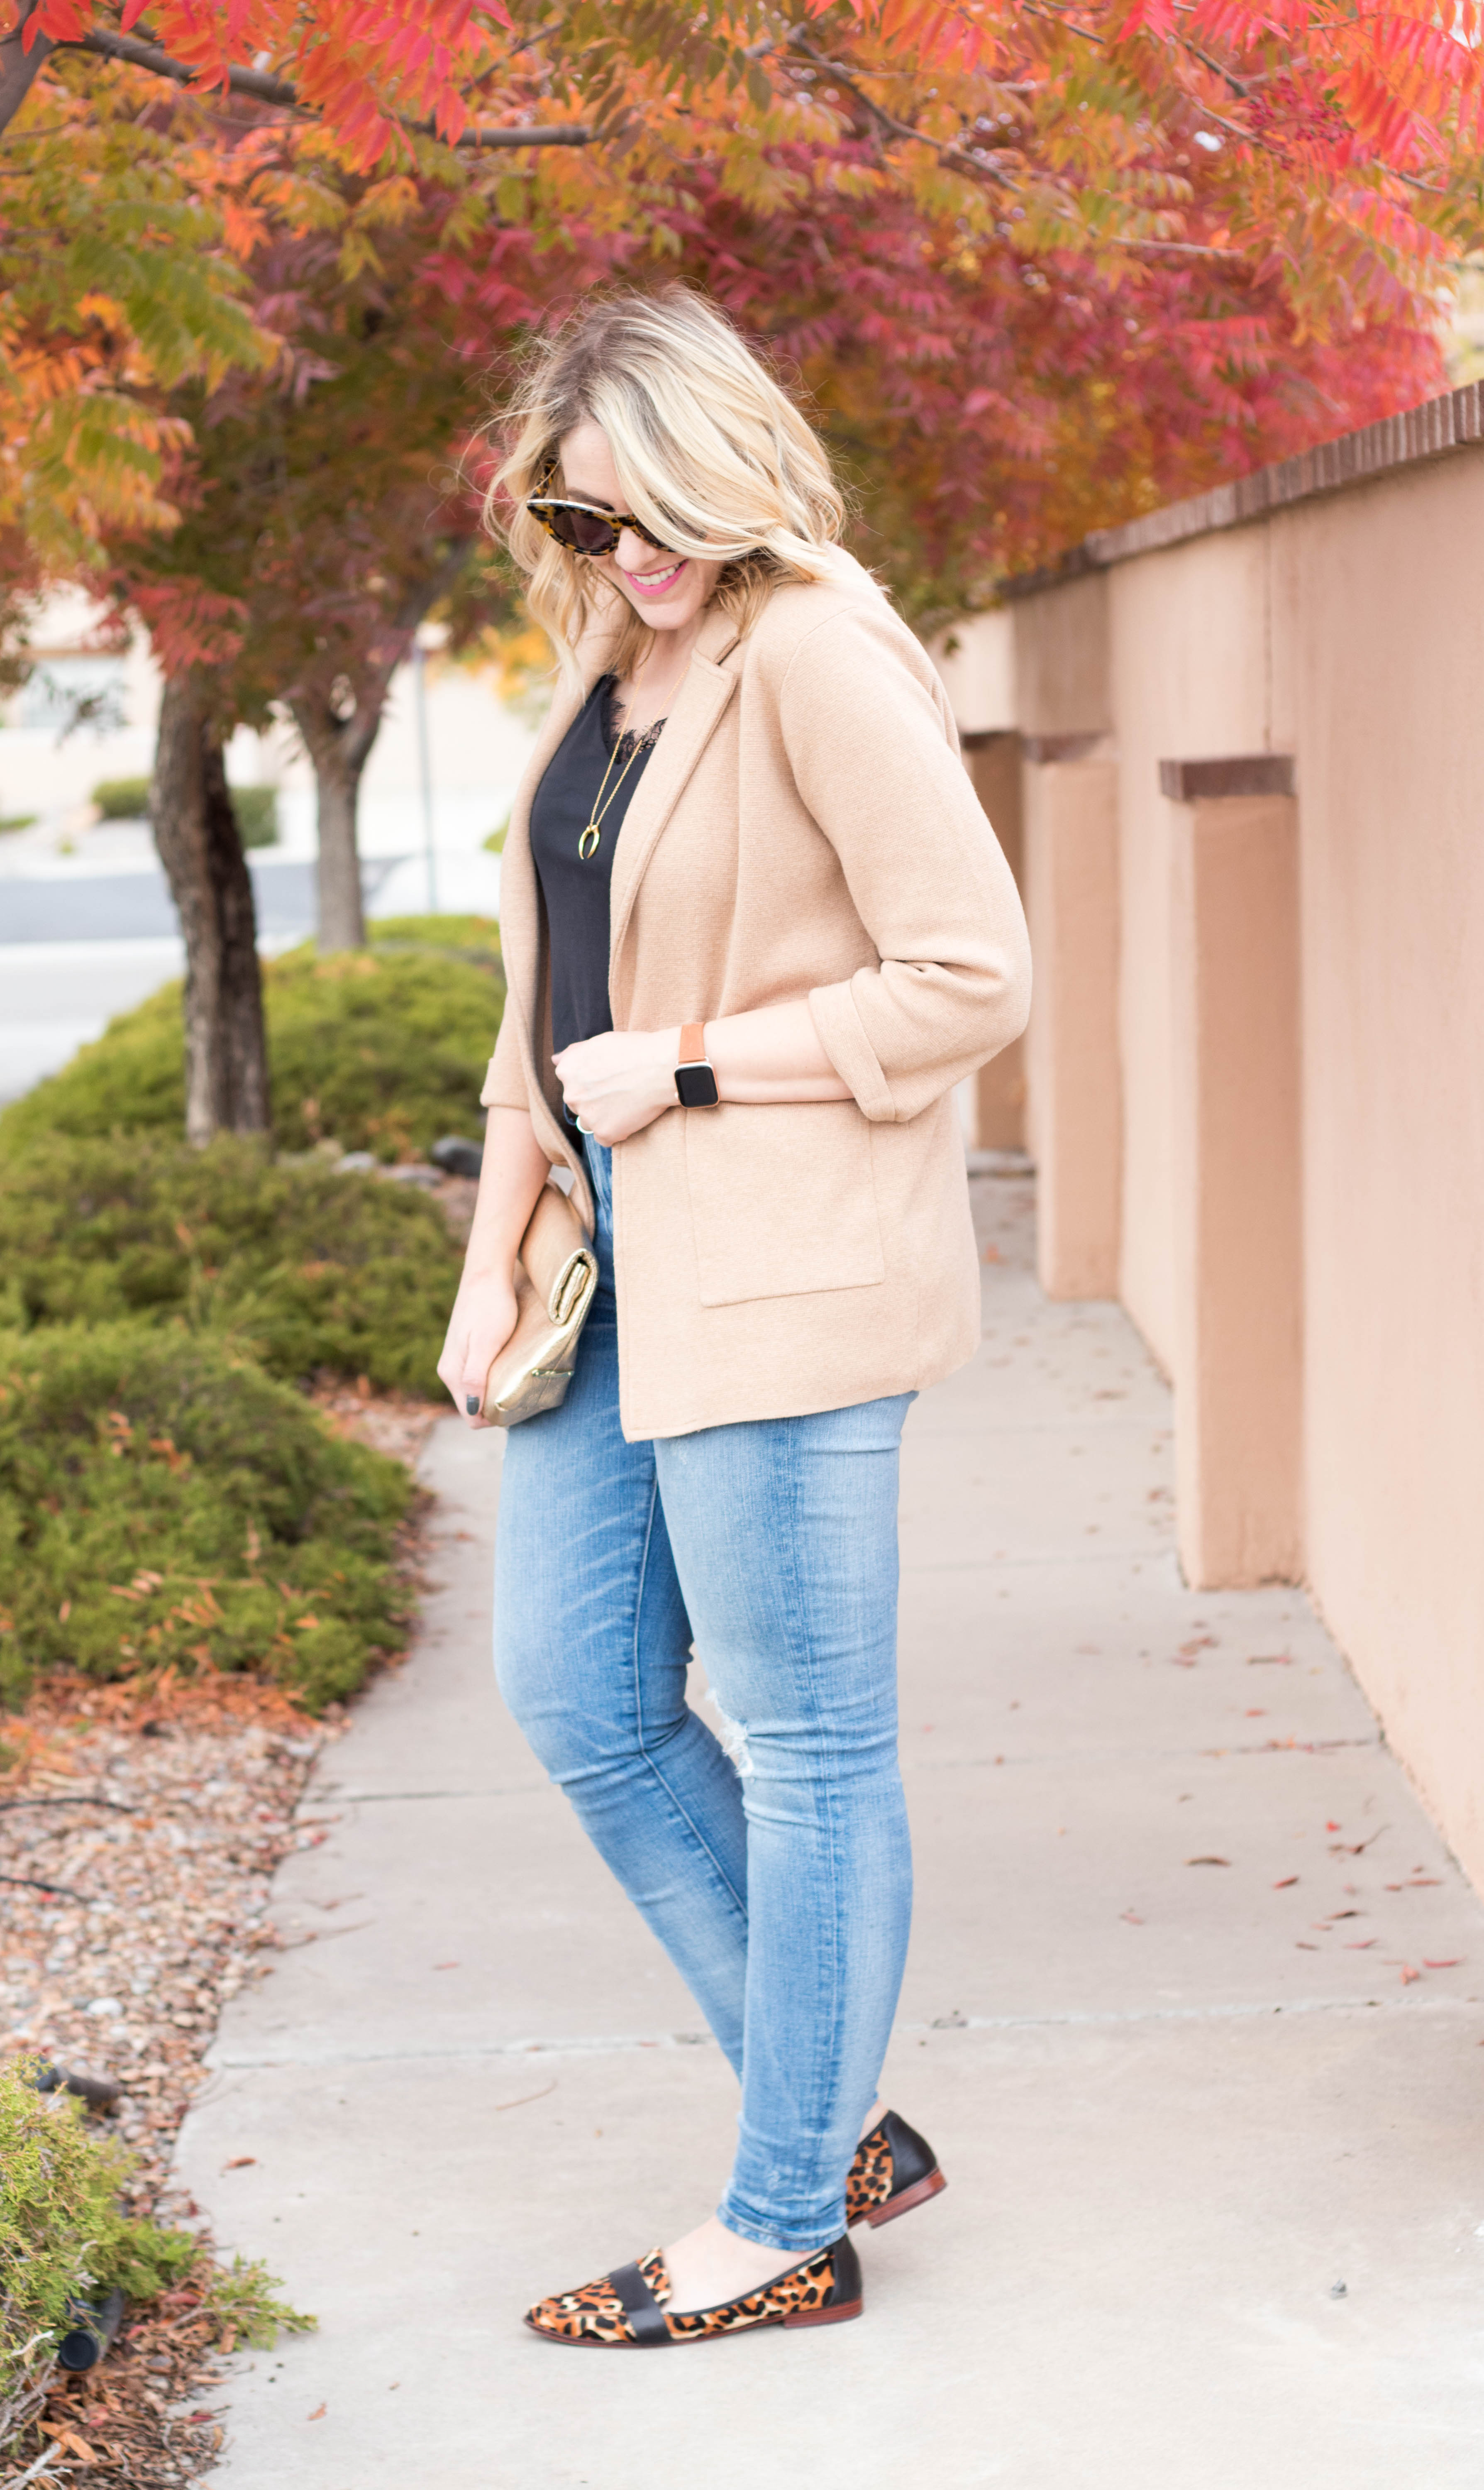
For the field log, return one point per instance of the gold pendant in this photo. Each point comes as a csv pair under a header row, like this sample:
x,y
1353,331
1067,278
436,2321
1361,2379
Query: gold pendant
x,y
587,844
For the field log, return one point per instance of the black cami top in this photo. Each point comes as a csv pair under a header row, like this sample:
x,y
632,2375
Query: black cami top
x,y
577,893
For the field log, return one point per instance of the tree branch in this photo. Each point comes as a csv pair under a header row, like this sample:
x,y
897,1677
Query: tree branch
x,y
359,730
109,46
266,89
943,149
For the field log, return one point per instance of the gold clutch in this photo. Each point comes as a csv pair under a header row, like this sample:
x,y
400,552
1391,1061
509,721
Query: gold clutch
x,y
554,1282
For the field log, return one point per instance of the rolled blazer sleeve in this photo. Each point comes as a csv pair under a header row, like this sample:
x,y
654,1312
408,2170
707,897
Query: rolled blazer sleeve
x,y
504,1082
873,755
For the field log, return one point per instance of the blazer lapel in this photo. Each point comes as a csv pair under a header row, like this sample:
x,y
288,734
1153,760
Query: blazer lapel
x,y
703,695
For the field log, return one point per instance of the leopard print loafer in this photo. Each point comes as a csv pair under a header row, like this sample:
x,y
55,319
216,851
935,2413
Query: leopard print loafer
x,y
893,2169
626,2311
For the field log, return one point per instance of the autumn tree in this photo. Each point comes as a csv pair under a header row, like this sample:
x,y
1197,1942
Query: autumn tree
x,y
1312,167
1039,266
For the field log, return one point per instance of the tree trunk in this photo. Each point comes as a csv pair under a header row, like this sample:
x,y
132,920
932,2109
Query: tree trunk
x,y
201,849
19,67
339,747
342,911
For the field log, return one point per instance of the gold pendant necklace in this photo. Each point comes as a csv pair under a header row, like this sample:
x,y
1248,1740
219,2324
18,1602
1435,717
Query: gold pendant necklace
x,y
587,844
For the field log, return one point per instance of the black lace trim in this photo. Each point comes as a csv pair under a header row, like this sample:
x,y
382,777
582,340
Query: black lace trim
x,y
633,739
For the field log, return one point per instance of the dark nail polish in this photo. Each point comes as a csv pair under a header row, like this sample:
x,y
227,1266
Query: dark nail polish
x,y
472,1403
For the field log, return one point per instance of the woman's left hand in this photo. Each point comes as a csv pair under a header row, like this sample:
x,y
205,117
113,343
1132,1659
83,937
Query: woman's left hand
x,y
618,1082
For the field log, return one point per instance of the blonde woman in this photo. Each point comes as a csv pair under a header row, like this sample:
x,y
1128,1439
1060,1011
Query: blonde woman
x,y
756,929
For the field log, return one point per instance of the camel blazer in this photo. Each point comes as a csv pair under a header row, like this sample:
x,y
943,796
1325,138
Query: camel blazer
x,y
803,826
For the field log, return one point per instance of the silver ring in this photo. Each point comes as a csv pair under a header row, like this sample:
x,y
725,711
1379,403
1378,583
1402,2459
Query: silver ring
x,y
584,1128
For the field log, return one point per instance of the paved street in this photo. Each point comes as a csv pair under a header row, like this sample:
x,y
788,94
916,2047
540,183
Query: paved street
x,y
76,949
1193,2015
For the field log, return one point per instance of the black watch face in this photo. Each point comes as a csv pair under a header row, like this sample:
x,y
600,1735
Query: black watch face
x,y
695,1083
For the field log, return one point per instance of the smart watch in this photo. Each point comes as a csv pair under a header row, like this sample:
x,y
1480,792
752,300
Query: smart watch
x,y
695,1080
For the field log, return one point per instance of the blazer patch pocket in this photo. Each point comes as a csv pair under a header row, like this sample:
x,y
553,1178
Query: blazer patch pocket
x,y
783,1200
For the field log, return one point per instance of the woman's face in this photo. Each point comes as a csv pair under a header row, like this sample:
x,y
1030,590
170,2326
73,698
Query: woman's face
x,y
668,589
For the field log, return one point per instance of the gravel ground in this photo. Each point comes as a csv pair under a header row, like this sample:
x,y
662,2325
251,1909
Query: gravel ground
x,y
140,1825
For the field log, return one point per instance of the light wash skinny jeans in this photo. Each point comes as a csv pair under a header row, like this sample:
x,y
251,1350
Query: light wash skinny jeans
x,y
781,1886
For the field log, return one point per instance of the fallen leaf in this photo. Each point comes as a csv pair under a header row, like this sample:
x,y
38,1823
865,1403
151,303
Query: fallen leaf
x,y
1304,1944
319,2412
1408,1973
1332,1827
1208,1862
1357,1945
1282,1881
242,2161
447,1966
1444,1962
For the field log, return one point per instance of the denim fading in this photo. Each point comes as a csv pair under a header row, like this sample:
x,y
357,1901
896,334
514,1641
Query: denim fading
x,y
779,1884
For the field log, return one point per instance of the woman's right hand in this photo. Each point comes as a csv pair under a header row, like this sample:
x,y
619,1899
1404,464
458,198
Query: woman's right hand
x,y
482,1320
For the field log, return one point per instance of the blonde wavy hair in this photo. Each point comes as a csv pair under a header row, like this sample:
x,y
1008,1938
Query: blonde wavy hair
x,y
709,451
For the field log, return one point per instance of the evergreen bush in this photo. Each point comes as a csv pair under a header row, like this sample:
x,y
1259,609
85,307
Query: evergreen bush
x,y
257,815
128,800
123,799
64,2238
309,1269
380,1050
165,1503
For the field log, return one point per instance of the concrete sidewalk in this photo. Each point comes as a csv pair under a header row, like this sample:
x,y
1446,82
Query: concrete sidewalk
x,y
1215,2219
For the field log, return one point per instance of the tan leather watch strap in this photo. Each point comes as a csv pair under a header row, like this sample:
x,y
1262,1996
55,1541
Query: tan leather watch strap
x,y
693,1042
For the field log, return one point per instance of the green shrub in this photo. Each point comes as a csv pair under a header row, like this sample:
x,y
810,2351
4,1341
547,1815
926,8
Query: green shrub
x,y
474,938
381,1049
257,815
308,1268
164,1503
65,2238
128,800
123,799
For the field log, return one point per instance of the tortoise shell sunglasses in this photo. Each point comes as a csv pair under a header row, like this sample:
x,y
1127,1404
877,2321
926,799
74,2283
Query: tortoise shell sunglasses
x,y
581,526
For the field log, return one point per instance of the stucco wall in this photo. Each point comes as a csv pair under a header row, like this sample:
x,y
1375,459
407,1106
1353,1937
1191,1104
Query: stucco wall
x,y
1347,629
1186,661
1379,645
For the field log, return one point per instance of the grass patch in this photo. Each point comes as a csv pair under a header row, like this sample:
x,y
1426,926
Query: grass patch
x,y
164,1504
380,1050
308,1268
